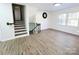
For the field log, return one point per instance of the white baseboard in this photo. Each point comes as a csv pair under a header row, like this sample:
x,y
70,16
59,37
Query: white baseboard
x,y
15,37
64,31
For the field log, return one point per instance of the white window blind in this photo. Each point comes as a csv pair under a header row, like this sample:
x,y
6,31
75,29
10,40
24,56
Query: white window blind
x,y
69,19
73,19
62,19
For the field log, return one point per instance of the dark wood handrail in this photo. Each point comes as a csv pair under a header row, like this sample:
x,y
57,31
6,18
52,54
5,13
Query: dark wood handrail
x,y
36,26
10,23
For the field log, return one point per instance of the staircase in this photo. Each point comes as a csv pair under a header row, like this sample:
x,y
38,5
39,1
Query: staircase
x,y
19,27
34,27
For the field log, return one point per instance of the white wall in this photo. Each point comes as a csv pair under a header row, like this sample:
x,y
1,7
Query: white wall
x,y
7,32
26,9
54,23
32,13
0,30
41,20
6,15
35,15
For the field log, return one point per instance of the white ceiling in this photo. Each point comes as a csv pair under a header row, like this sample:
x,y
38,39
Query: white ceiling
x,y
50,7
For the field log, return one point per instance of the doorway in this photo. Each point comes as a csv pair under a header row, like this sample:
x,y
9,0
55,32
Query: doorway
x,y
19,19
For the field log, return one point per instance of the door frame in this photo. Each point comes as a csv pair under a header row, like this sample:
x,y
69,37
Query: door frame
x,y
21,11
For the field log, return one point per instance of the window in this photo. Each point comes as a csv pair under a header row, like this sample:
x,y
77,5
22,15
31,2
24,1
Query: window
x,y
62,19
70,19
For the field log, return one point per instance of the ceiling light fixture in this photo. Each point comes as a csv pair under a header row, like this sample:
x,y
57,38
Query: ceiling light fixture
x,y
57,4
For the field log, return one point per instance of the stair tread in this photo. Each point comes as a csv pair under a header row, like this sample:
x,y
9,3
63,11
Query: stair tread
x,y
20,31
19,24
20,34
20,27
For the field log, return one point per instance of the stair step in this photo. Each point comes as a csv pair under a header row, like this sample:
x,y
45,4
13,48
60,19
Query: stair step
x,y
19,21
20,33
18,28
18,25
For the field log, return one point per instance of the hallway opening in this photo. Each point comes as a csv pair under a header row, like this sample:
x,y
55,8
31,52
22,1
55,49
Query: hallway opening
x,y
19,19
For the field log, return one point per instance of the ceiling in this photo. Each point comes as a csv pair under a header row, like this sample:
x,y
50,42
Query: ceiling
x,y
50,7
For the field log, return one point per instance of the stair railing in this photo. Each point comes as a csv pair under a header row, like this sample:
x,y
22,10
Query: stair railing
x,y
37,25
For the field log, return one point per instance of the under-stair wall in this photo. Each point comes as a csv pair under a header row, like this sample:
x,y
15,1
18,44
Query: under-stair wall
x,y
7,31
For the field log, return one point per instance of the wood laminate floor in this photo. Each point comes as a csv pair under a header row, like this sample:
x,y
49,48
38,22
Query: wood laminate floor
x,y
47,42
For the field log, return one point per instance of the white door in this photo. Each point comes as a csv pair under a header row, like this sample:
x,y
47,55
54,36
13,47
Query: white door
x,y
6,15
